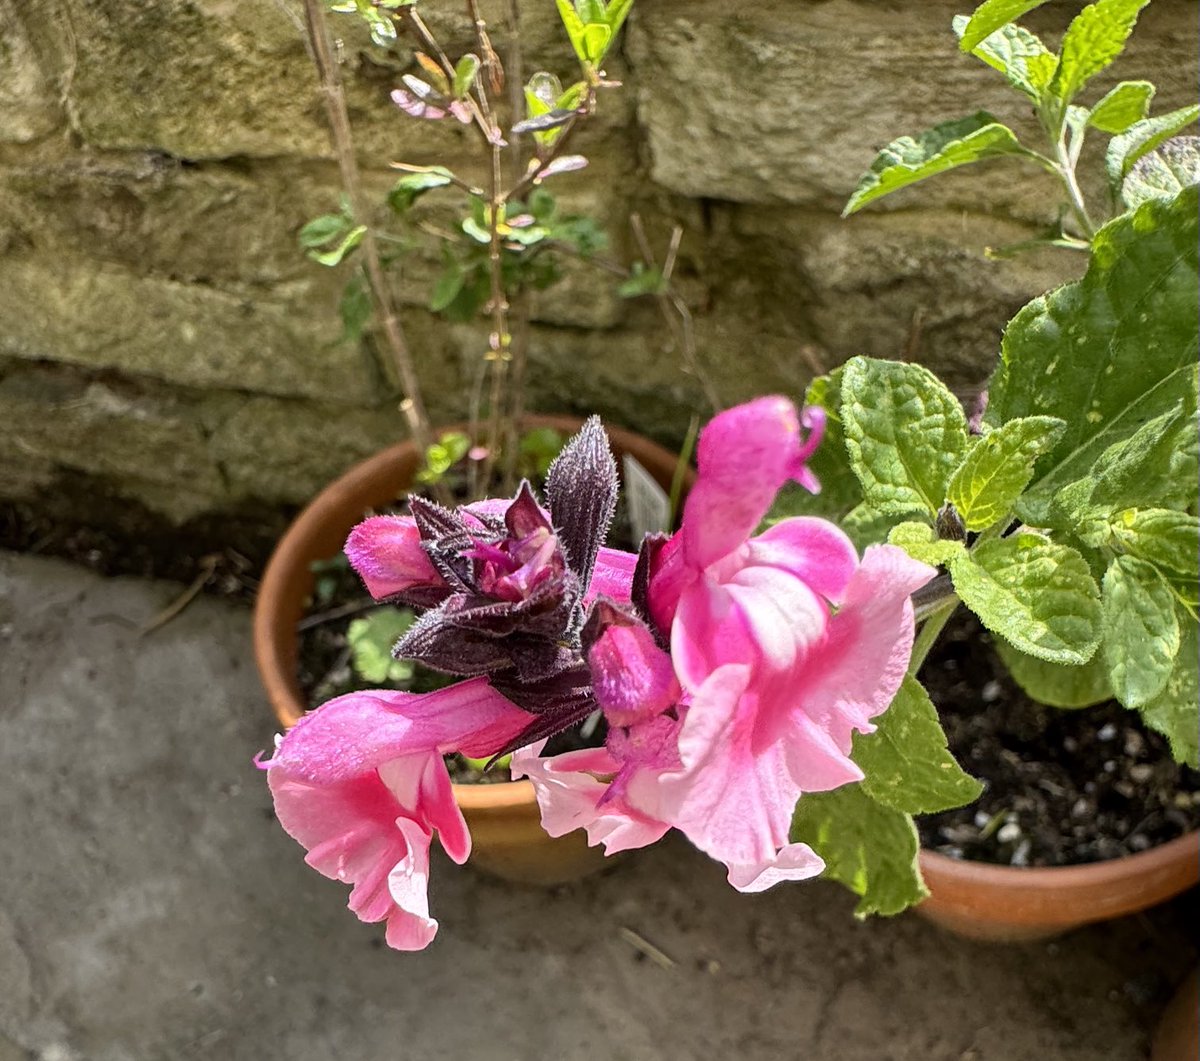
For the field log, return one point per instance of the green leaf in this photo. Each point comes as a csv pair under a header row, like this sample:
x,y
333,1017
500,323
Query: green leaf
x,y
355,309
371,639
1038,595
1095,37
1108,352
905,433
409,188
596,39
334,257
642,281
1000,465
465,71
1141,138
1018,54
947,146
1139,470
991,16
1057,684
574,27
1129,102
1164,172
1175,712
322,230
448,285
1141,632
921,542
906,763
868,847
618,11
865,525
1169,540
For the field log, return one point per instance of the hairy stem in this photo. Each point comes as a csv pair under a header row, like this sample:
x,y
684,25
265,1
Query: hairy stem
x,y
928,634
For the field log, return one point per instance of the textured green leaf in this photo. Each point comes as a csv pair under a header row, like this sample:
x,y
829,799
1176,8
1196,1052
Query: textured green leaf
x,y
1057,684
999,466
868,847
1175,712
1129,102
1141,138
947,146
1095,37
1167,539
906,763
1108,352
1164,172
991,16
868,526
1137,471
1038,595
921,542
905,433
1018,54
1141,632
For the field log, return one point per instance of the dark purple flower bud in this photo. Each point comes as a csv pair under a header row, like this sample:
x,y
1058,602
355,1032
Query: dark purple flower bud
x,y
581,489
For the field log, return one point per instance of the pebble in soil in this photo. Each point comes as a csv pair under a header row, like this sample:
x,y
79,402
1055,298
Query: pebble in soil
x,y
1062,786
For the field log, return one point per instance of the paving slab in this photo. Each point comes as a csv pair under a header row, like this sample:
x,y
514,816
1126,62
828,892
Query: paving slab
x,y
150,908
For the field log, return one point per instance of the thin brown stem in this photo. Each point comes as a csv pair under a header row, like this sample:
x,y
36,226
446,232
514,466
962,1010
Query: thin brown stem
x,y
321,48
674,310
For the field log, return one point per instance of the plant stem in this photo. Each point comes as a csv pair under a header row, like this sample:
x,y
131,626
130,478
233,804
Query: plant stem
x,y
928,634
1066,171
321,48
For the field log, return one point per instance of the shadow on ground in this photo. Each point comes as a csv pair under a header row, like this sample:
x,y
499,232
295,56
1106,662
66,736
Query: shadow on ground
x,y
150,908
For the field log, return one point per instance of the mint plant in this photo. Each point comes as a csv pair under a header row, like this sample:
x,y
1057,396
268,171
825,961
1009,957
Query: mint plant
x,y
1051,81
1065,517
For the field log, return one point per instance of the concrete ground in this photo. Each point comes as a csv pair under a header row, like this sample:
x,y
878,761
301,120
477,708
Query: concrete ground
x,y
150,908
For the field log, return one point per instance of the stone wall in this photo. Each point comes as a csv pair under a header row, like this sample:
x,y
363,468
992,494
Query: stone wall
x,y
162,337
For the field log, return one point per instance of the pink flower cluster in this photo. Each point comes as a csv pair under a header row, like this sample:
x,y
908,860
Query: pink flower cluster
x,y
732,669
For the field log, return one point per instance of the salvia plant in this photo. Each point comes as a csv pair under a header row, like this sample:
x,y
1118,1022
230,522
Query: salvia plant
x,y
756,670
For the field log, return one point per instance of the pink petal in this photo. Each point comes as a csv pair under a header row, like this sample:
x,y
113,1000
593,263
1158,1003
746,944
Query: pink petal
x,y
744,456
731,799
410,927
354,833
814,550
612,576
791,862
869,643
386,552
631,676
570,794
359,732
421,785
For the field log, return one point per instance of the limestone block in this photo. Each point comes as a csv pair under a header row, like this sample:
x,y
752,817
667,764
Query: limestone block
x,y
55,417
764,102
101,316
29,106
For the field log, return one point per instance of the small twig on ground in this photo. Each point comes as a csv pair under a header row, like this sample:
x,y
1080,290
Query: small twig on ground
x,y
644,946
207,570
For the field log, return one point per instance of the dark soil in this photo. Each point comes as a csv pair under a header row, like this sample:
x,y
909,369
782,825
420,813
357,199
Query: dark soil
x,y
1062,787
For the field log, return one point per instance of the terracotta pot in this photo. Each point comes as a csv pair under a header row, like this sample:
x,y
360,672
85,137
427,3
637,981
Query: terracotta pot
x,y
503,817
982,901
1178,1034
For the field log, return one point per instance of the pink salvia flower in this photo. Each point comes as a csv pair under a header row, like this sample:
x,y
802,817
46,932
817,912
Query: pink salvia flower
x,y
362,786
784,645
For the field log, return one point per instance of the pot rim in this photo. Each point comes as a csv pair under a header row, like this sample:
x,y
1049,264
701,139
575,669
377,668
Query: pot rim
x,y
277,604
1090,874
